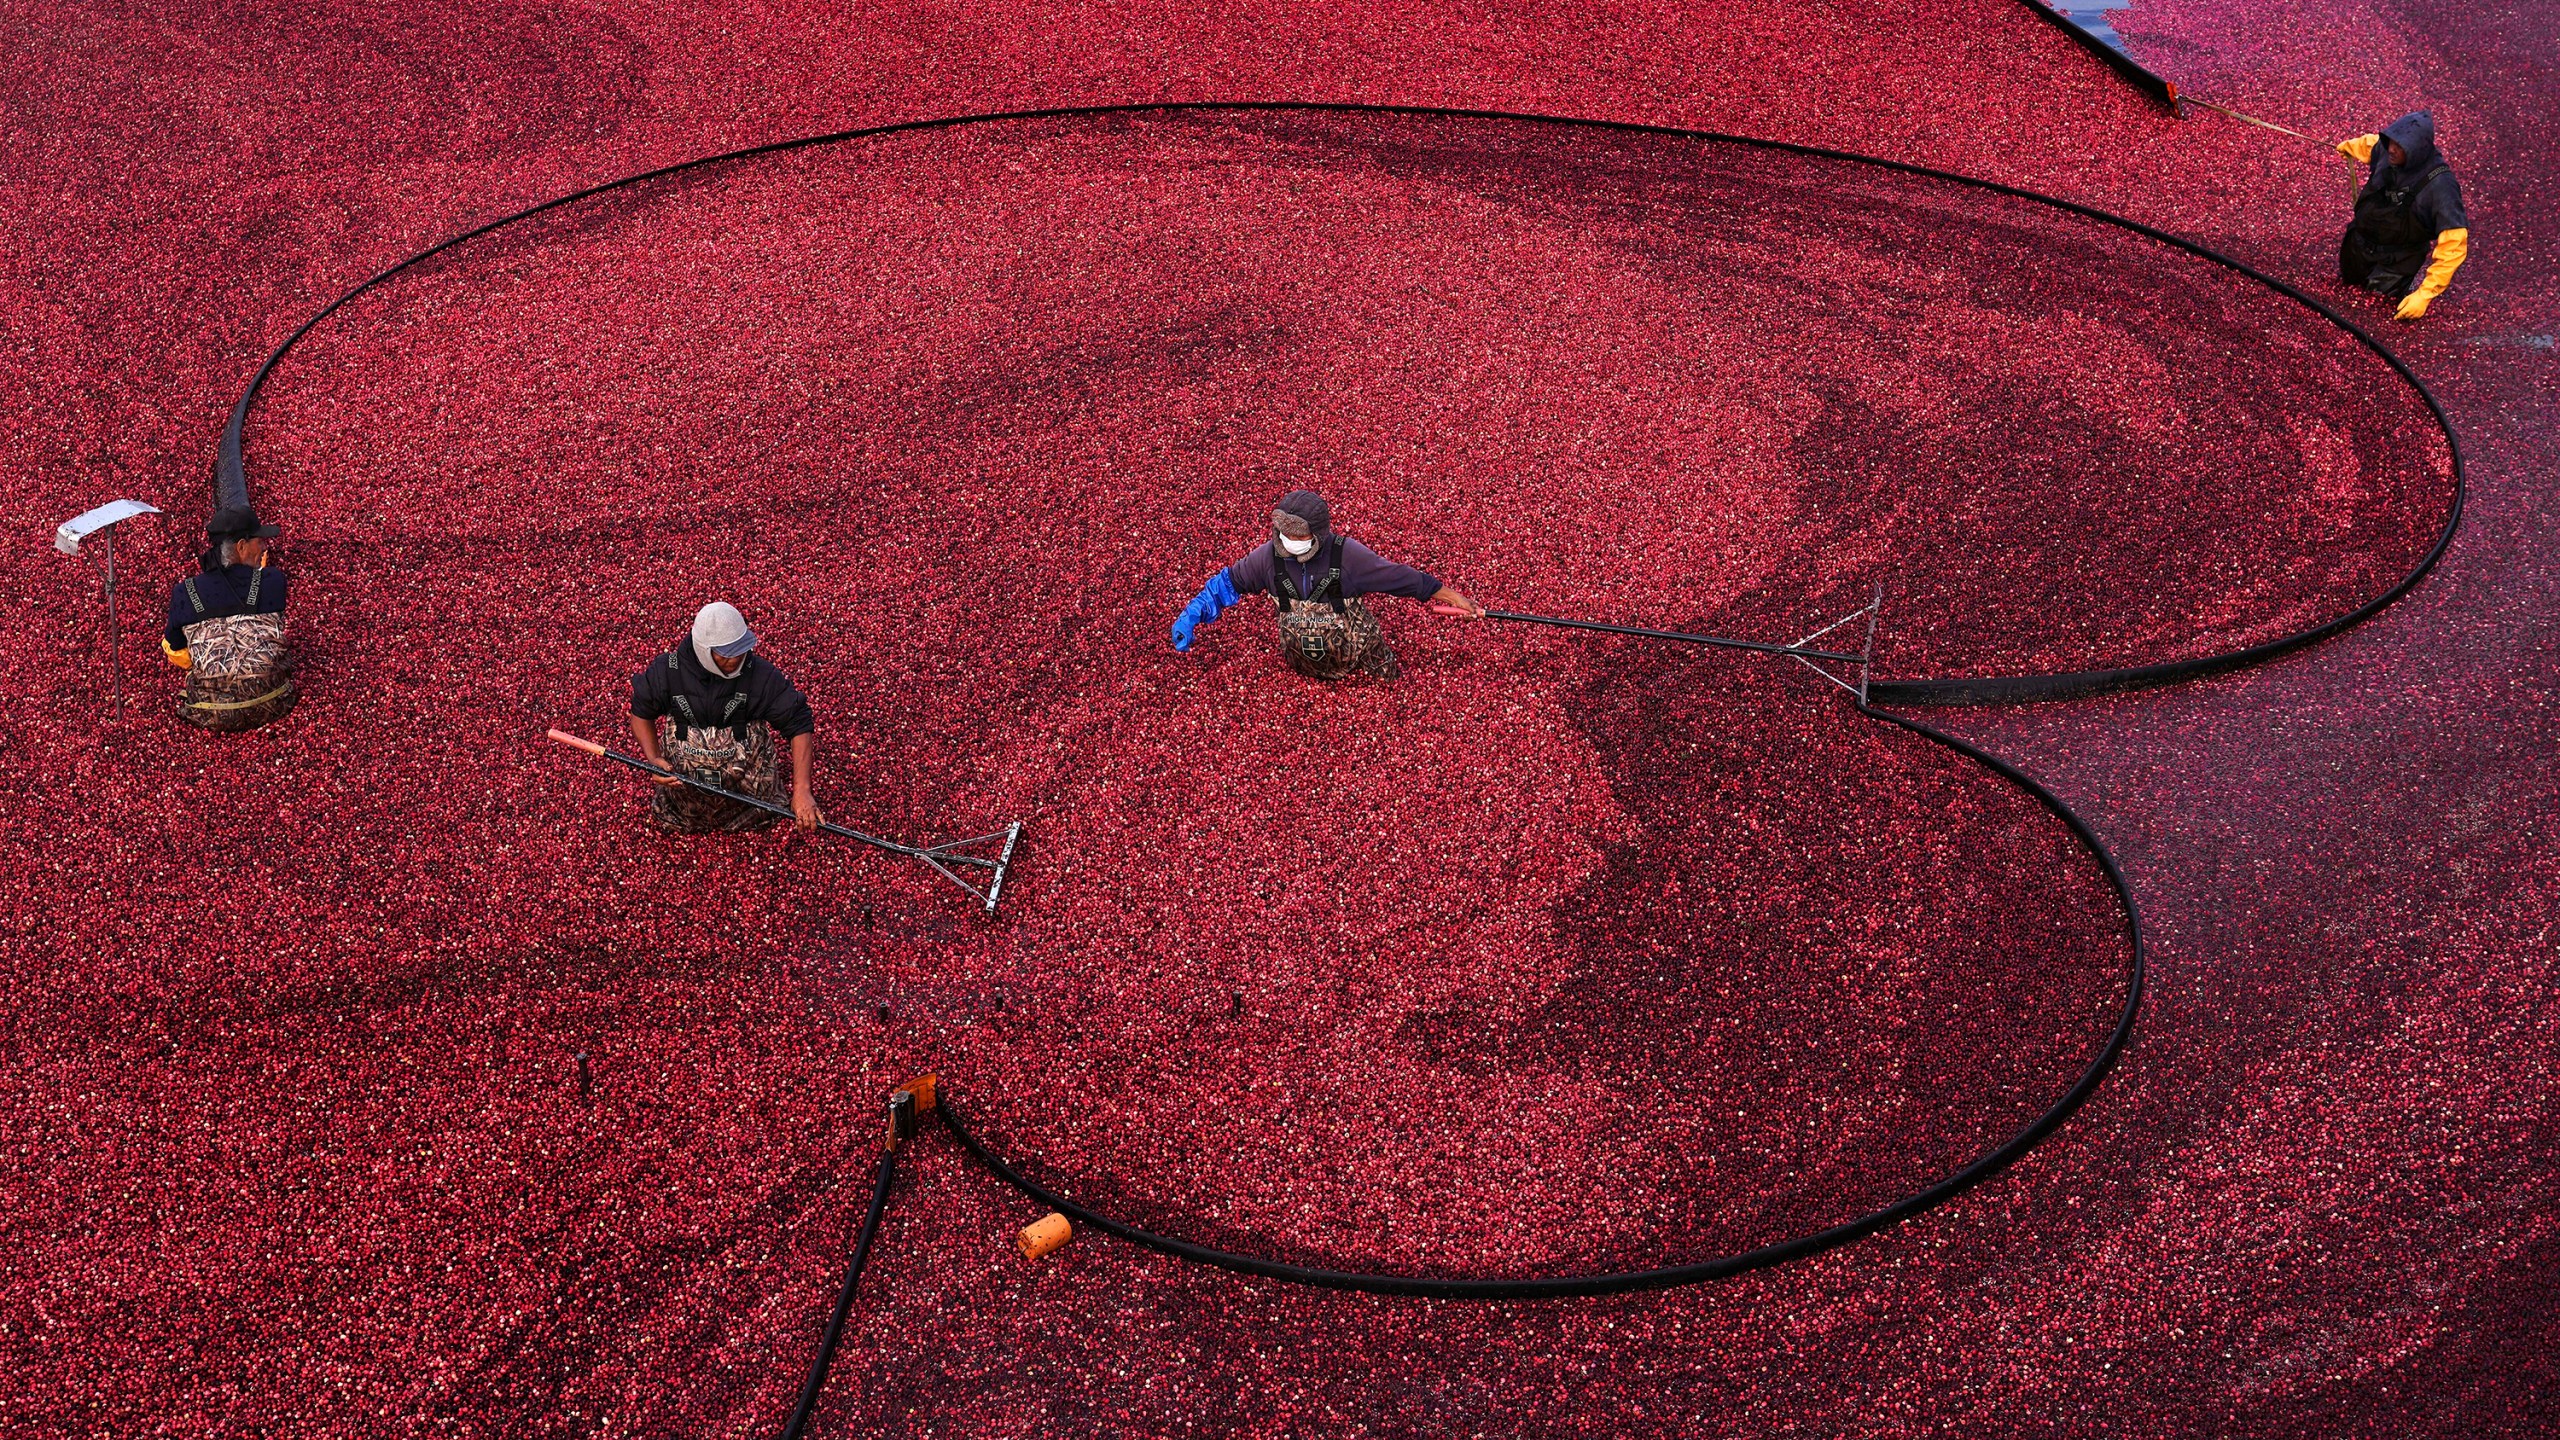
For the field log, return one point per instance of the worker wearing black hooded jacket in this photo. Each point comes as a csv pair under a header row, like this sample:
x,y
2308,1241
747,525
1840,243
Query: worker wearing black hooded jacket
x,y
2409,234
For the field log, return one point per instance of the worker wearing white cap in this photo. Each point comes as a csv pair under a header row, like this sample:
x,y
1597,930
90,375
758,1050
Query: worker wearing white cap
x,y
722,704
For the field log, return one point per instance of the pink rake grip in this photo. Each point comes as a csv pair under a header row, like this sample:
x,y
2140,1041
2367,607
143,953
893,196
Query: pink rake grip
x,y
576,743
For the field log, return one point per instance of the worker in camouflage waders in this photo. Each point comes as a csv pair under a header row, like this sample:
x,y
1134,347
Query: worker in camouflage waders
x,y
722,705
2409,234
1318,579
226,629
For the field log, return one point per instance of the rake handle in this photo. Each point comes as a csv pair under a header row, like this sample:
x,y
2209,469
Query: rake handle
x,y
2252,120
576,742
579,742
1721,641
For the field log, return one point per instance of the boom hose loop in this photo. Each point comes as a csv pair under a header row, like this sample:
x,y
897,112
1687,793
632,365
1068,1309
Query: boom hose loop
x,y
230,468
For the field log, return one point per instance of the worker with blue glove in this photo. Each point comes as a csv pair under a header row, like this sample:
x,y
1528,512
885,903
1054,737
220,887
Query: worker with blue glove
x,y
1317,579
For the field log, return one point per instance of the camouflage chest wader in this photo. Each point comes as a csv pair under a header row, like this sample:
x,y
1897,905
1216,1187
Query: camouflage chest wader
x,y
1325,636
735,757
239,675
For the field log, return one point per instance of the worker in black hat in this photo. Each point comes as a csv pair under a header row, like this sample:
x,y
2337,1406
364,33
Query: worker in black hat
x,y
1317,579
2409,233
226,628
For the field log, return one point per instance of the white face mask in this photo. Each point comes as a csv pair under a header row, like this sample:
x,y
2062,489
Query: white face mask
x,y
1297,549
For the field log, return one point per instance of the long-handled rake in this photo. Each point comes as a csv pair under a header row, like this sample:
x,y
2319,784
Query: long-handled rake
x,y
1801,650
2186,99
1725,642
1871,612
941,857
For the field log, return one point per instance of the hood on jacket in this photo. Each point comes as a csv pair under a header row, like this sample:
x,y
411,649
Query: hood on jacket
x,y
718,629
2414,133
687,657
1309,506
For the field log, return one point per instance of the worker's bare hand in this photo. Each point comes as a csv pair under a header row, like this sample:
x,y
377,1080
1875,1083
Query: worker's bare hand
x,y
1455,602
666,779
805,812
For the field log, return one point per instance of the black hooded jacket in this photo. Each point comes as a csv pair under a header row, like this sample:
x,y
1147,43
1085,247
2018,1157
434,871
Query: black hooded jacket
x,y
2403,208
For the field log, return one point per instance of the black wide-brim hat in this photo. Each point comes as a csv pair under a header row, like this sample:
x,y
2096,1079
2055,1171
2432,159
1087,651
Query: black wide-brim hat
x,y
239,522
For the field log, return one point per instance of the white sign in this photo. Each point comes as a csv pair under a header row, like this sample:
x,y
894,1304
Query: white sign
x,y
68,535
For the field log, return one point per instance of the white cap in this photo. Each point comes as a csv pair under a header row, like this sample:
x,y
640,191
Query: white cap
x,y
718,629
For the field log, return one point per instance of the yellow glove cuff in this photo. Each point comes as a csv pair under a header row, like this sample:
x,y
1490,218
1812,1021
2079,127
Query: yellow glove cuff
x,y
179,658
2359,149
2452,248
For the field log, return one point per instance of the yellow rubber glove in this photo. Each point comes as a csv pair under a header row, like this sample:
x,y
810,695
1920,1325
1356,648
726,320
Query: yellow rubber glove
x,y
2359,149
179,658
2452,248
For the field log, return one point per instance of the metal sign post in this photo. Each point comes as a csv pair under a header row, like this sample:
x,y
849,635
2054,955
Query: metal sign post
x,y
101,522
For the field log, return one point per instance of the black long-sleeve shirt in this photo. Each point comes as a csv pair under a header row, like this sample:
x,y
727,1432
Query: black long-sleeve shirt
x,y
763,694
224,590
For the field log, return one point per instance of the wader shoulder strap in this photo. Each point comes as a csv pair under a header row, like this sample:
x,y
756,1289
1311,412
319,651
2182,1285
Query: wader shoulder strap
x,y
2404,194
684,703
248,606
676,697
1329,589
1285,589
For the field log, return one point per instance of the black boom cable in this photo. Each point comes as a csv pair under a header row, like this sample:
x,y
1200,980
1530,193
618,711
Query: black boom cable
x,y
231,487
817,1381
230,468
1544,1287
231,482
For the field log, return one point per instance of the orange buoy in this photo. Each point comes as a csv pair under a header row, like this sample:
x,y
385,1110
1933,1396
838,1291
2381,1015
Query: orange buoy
x,y
1044,1235
920,1087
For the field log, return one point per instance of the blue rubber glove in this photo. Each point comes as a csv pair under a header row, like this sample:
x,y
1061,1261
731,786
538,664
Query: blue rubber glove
x,y
1215,596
